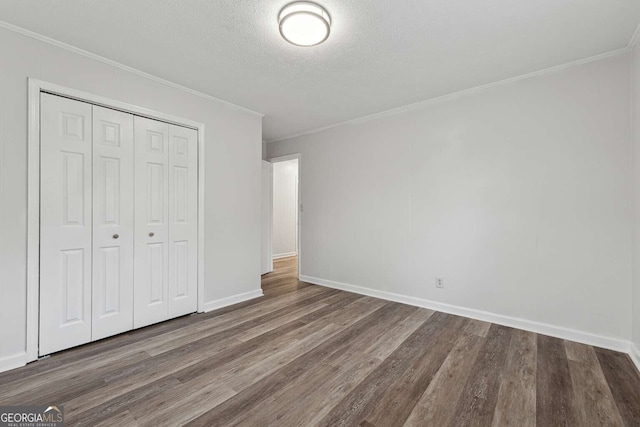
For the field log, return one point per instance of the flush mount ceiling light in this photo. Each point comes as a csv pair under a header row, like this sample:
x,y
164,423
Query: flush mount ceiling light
x,y
304,23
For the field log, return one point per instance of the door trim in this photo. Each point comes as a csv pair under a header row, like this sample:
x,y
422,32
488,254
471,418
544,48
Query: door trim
x,y
269,233
35,87
297,156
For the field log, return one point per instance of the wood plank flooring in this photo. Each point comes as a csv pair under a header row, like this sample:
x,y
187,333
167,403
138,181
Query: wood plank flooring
x,y
304,355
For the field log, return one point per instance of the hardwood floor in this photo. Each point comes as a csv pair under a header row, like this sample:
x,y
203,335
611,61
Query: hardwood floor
x,y
307,355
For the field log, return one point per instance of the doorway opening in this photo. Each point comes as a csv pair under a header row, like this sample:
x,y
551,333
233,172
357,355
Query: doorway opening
x,y
285,209
281,215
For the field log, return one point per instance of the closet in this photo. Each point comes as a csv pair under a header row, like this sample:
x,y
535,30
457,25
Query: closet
x,y
118,222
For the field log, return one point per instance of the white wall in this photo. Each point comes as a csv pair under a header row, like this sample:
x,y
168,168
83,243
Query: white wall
x,y
233,153
518,195
636,200
285,178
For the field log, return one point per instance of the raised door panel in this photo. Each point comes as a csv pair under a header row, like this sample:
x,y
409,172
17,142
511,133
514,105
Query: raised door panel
x,y
151,241
112,222
65,223
183,221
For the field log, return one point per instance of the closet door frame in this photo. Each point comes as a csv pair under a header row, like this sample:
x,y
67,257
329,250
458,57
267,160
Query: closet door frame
x,y
35,88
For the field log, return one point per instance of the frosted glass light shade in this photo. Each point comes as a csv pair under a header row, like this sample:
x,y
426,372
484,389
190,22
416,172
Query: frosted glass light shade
x,y
304,23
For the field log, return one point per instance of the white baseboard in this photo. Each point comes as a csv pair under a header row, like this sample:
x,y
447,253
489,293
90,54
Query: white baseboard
x,y
635,355
284,255
513,322
13,361
234,299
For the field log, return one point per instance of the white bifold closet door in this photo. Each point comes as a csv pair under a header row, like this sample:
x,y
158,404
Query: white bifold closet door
x,y
65,223
183,221
165,222
113,260
118,222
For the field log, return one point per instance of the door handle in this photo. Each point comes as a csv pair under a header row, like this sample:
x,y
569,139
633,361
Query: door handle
x,y
115,236
152,234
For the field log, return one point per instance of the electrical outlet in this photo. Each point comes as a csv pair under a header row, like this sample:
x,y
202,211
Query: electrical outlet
x,y
439,282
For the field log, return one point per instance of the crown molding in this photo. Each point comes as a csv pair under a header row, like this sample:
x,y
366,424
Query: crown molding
x,y
410,107
455,95
115,64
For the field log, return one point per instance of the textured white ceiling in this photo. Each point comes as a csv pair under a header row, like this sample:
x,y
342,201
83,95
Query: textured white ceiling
x,y
381,54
